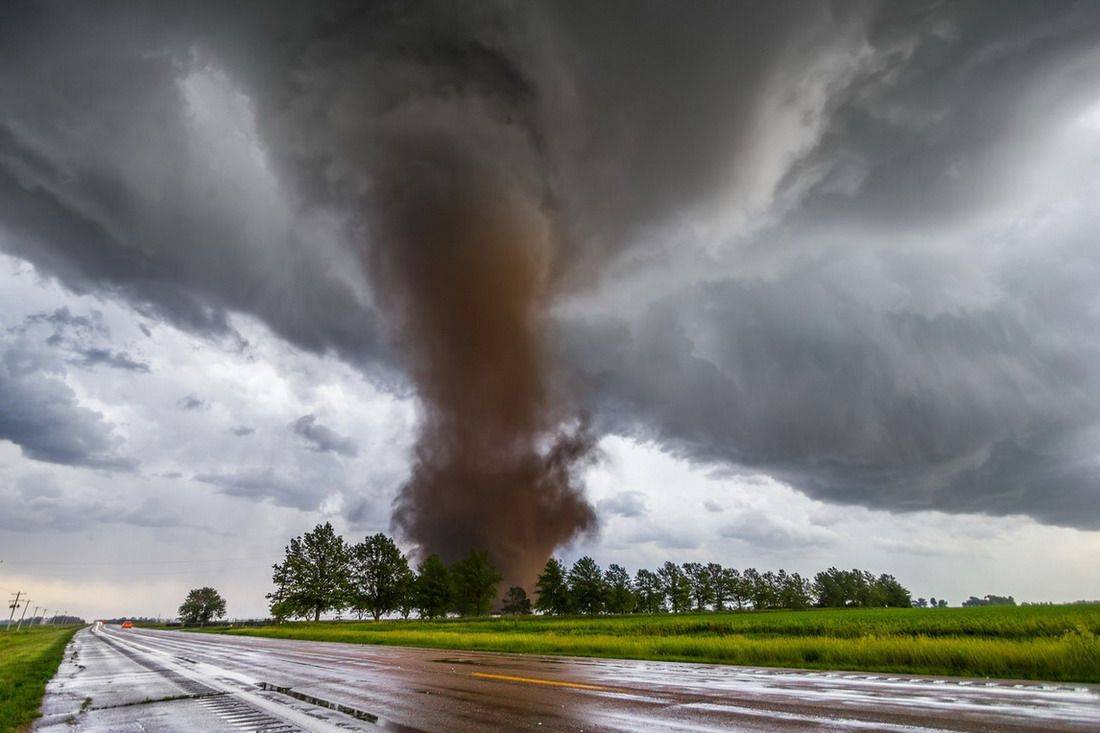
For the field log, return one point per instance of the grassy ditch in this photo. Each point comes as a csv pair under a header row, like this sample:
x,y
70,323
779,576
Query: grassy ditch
x,y
1043,643
28,659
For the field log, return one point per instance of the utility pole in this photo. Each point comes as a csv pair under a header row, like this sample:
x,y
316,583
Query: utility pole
x,y
26,603
14,605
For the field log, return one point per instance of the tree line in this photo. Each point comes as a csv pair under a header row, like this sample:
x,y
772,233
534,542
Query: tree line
x,y
586,589
321,573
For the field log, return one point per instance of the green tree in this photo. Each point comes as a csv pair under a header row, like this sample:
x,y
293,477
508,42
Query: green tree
x,y
702,589
714,573
586,588
895,595
434,592
754,587
475,582
407,589
376,571
200,606
515,602
313,577
619,589
794,591
733,587
552,589
649,592
676,586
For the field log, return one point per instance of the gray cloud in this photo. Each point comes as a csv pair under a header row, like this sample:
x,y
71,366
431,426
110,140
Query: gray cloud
x,y
42,505
264,485
190,402
114,359
666,538
242,430
762,530
41,414
323,439
624,504
82,336
894,305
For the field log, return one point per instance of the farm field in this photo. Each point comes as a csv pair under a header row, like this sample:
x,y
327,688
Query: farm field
x,y
28,659
1038,642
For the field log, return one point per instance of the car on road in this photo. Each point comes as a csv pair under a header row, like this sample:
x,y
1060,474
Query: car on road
x,y
127,624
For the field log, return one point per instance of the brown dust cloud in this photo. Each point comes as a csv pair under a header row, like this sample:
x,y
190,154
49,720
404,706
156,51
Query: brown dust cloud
x,y
461,262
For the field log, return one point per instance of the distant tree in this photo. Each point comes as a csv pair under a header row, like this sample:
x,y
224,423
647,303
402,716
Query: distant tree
x,y
766,591
649,591
920,603
714,573
200,606
830,588
702,587
893,594
552,589
794,591
434,593
868,593
990,600
619,589
932,602
942,604
406,584
313,577
586,588
376,570
859,588
755,587
733,587
515,602
676,586
475,582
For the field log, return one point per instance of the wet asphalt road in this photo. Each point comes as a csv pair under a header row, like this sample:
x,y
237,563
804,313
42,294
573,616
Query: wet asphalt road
x,y
143,680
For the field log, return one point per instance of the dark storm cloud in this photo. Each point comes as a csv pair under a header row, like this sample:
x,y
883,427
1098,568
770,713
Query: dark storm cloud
x,y
41,414
110,182
958,412
323,439
857,327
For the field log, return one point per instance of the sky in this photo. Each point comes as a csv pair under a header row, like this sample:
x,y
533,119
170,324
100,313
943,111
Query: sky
x,y
774,285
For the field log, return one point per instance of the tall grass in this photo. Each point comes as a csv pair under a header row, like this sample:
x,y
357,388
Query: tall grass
x,y
28,659
1049,642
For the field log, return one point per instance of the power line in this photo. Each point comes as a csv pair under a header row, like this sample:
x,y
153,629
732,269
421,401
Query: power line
x,y
142,562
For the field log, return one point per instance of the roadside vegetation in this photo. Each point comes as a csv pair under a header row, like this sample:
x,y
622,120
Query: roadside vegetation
x,y
28,659
695,612
1060,643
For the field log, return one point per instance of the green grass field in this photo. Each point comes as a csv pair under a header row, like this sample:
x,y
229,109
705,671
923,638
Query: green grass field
x,y
28,659
1037,642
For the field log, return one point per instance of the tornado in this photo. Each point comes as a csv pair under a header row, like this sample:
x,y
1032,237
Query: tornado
x,y
461,260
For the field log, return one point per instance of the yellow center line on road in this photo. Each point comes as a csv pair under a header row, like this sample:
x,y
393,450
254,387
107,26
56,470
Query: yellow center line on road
x,y
537,681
